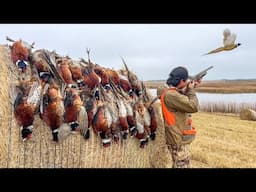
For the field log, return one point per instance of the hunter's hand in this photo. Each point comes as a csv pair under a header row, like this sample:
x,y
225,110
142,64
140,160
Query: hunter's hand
x,y
198,82
194,83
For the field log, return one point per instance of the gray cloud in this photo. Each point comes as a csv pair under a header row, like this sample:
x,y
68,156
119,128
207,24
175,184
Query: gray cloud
x,y
150,50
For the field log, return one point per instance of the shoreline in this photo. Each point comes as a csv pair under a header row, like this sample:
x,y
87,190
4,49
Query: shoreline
x,y
221,86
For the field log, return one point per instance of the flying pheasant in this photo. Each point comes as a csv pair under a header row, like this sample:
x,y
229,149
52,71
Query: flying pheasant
x,y
228,41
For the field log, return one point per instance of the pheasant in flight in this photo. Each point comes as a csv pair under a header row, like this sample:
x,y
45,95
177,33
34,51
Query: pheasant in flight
x,y
228,41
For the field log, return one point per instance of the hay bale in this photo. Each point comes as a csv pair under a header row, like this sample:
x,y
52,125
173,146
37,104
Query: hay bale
x,y
73,152
4,106
248,114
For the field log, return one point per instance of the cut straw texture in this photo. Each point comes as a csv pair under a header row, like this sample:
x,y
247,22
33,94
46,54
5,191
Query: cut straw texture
x,y
74,152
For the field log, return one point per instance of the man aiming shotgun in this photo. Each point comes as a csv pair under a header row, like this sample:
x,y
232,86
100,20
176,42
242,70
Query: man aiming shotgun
x,y
178,102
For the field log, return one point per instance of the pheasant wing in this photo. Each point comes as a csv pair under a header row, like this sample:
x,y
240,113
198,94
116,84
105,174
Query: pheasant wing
x,y
230,40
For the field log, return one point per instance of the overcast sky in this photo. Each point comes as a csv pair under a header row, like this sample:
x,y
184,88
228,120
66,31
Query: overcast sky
x,y
150,50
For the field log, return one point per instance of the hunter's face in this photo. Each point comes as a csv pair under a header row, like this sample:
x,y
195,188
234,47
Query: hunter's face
x,y
182,84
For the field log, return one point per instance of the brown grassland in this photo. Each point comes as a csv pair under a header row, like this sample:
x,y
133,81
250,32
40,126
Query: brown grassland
x,y
223,141
220,86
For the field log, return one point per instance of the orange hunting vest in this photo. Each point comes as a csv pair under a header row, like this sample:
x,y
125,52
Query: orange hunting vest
x,y
169,117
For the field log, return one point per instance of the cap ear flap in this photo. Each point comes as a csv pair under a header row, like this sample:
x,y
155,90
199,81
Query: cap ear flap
x,y
176,81
168,82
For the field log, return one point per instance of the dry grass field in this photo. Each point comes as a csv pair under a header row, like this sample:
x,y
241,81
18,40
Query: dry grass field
x,y
223,141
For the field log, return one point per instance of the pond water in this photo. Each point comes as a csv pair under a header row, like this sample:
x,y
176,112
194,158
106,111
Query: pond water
x,y
238,98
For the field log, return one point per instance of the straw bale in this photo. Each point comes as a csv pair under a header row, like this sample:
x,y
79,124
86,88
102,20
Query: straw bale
x,y
74,151
248,114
